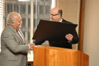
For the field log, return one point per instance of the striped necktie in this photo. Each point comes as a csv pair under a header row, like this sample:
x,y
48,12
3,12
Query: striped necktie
x,y
19,34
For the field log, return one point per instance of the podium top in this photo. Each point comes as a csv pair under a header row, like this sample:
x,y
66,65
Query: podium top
x,y
56,48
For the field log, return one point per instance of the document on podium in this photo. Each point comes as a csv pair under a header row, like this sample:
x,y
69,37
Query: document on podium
x,y
50,30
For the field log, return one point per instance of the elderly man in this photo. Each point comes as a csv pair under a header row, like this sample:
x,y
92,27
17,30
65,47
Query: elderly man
x,y
13,47
56,15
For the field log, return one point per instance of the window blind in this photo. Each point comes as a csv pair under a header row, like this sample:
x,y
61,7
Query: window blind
x,y
1,20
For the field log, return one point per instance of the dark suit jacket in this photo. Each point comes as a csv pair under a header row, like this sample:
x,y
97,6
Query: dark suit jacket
x,y
61,43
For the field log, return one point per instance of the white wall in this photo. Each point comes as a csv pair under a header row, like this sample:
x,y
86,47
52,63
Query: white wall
x,y
91,31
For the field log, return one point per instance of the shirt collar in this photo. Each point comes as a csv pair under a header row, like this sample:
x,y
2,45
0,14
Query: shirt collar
x,y
61,20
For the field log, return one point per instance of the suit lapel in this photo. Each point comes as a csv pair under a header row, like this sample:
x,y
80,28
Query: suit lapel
x,y
16,34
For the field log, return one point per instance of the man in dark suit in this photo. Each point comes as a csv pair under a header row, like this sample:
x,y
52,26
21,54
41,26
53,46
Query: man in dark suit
x,y
13,47
56,15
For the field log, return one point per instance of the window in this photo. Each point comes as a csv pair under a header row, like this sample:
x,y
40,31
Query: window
x,y
23,8
41,8
1,20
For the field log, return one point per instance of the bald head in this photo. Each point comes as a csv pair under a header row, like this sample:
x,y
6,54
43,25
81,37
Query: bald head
x,y
57,10
56,14
12,17
15,20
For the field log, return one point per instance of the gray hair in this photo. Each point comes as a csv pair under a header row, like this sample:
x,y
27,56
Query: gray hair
x,y
11,18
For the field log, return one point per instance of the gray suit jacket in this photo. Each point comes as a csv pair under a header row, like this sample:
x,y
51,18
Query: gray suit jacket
x,y
13,48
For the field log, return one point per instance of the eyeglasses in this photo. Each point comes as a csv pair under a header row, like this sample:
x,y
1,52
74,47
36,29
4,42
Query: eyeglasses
x,y
53,14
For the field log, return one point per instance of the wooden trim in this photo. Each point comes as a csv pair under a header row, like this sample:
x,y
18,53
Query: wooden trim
x,y
81,25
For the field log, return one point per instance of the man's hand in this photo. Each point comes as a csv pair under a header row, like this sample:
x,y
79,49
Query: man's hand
x,y
69,37
31,46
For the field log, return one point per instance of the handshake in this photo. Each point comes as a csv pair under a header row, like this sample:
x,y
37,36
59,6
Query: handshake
x,y
31,46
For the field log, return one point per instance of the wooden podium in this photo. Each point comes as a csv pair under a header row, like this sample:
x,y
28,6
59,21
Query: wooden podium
x,y
53,56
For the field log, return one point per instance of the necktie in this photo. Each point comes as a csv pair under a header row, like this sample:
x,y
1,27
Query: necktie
x,y
19,34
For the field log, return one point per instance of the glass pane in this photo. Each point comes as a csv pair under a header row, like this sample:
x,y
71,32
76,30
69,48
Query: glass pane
x,y
22,9
34,9
9,8
47,10
41,9
29,9
23,24
16,7
29,23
